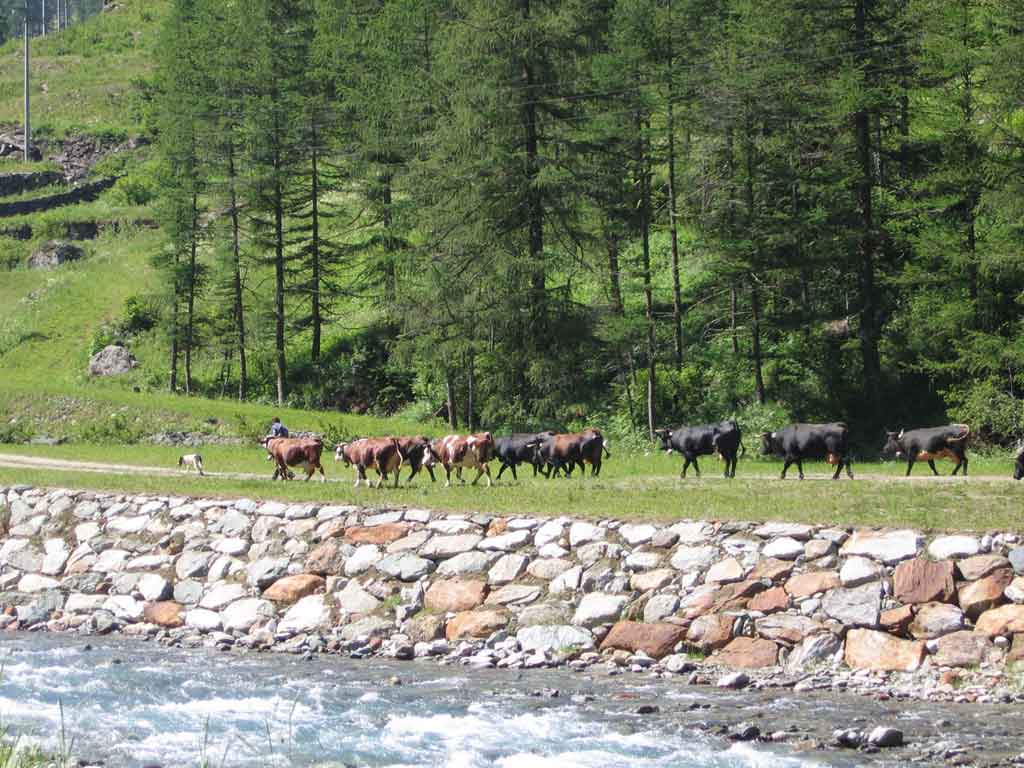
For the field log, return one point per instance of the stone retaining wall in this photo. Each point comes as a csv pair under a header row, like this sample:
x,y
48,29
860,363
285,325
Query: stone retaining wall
x,y
515,592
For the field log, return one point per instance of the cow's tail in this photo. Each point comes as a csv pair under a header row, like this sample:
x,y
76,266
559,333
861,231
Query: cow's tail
x,y
604,447
962,437
743,448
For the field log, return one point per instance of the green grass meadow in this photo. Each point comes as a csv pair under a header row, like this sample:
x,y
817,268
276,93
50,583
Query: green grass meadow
x,y
631,486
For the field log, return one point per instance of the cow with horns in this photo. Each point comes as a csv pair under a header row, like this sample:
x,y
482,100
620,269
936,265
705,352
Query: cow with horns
x,y
797,442
947,442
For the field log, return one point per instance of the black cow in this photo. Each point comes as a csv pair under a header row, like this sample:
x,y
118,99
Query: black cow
x,y
723,439
809,441
1018,467
948,442
520,448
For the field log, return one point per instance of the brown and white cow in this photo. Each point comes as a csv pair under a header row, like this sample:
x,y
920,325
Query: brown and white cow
x,y
465,452
294,452
379,453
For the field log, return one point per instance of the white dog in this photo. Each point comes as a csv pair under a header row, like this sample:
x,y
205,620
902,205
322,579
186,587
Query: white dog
x,y
191,461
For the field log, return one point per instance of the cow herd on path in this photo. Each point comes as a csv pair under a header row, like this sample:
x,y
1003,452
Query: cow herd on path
x,y
551,453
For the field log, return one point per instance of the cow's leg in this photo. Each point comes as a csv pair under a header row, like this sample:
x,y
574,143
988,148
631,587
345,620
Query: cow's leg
x,y
487,471
502,468
595,470
398,473
910,466
412,473
323,477
961,462
479,474
849,469
696,467
785,468
514,475
800,468
686,466
447,476
931,466
430,469
839,469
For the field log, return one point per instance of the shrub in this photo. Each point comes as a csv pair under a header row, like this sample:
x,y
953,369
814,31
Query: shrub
x,y
115,429
995,416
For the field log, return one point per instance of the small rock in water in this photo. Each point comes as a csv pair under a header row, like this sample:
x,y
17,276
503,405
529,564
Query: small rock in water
x,y
883,736
647,709
736,680
745,732
848,737
394,680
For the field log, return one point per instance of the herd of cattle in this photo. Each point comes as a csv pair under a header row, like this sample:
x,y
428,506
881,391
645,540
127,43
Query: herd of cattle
x,y
551,453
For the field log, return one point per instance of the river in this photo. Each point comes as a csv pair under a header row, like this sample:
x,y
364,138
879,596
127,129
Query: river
x,y
129,703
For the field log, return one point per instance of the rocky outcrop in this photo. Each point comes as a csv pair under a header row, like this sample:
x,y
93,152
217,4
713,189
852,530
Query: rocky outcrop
x,y
112,360
54,253
509,592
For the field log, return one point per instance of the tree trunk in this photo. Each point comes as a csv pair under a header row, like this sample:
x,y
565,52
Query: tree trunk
x,y
173,384
190,295
614,277
732,320
390,242
279,350
677,300
643,173
315,319
535,205
449,387
470,390
236,278
869,330
755,334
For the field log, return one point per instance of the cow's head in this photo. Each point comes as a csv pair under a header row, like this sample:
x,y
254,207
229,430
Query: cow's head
x,y
769,443
894,448
341,453
430,457
665,435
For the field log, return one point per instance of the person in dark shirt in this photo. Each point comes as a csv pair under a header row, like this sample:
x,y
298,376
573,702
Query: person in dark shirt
x,y
277,429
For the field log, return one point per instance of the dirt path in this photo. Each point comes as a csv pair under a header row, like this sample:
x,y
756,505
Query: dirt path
x,y
36,462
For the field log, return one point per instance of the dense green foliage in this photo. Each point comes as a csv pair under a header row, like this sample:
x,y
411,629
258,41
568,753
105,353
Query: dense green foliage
x,y
630,212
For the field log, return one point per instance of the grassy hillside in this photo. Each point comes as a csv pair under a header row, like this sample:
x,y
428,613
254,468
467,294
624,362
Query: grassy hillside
x,y
88,78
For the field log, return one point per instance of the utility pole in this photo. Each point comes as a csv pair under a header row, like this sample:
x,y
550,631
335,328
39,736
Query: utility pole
x,y
42,21
28,122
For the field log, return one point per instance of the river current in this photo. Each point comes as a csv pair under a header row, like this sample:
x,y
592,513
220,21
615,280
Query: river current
x,y
133,704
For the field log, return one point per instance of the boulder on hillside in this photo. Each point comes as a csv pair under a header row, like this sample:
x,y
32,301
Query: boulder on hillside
x,y
111,361
53,254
